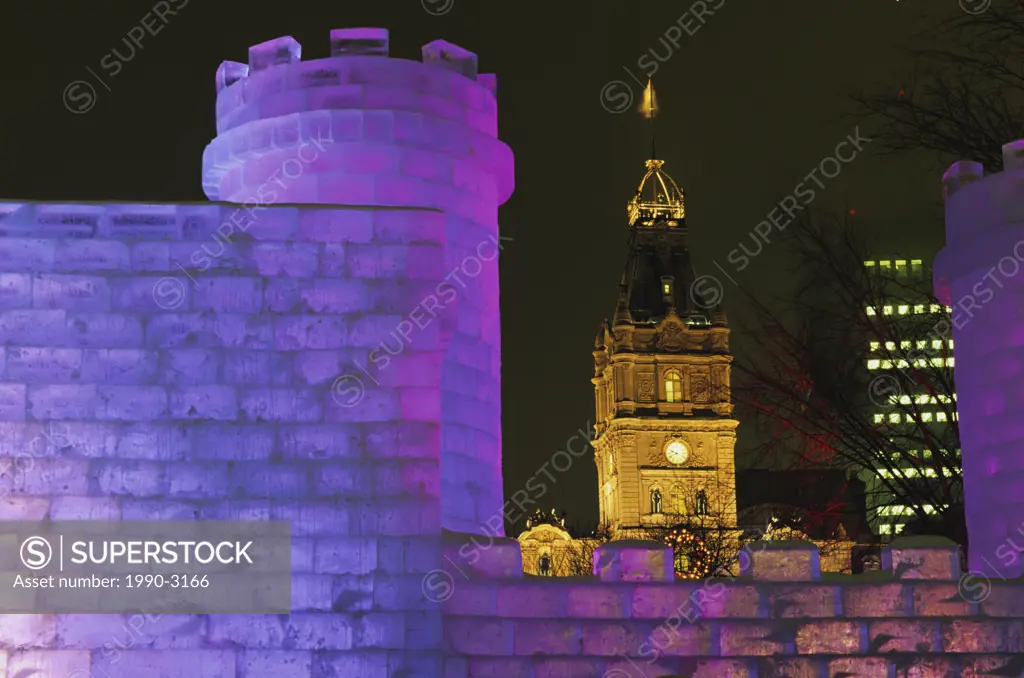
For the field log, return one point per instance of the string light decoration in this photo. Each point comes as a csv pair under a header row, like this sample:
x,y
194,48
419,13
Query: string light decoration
x,y
691,558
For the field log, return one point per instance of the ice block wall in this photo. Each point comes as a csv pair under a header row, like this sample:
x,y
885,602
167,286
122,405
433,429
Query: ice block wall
x,y
321,346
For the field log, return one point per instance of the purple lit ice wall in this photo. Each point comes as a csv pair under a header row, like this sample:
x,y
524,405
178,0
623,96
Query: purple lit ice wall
x,y
981,269
320,346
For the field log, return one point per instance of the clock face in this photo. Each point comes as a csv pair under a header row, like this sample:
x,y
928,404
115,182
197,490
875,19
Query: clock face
x,y
677,452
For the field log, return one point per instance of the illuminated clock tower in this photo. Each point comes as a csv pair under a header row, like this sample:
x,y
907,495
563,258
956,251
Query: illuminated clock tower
x,y
665,432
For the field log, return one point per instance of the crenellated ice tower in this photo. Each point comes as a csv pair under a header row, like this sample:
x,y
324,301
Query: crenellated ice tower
x,y
320,345
405,135
979,274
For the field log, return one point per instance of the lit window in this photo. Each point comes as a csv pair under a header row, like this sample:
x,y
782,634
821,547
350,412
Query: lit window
x,y
901,266
926,416
903,310
673,388
904,344
899,528
879,418
885,529
902,364
951,343
919,308
940,416
921,400
870,311
873,364
935,308
886,364
874,345
949,363
890,346
894,418
949,309
885,264
666,288
921,345
887,310
869,264
936,344
655,500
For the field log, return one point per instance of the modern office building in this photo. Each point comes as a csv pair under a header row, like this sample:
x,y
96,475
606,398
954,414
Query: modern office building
x,y
910,355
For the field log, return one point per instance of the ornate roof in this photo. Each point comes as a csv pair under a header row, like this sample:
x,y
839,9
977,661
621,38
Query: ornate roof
x,y
657,198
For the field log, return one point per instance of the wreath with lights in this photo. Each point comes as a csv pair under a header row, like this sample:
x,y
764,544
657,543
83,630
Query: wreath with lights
x,y
686,543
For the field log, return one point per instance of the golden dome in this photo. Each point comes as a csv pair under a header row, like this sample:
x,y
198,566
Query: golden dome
x,y
658,198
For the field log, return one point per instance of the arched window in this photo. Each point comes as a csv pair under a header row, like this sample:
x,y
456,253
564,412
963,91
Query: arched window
x,y
655,500
544,565
678,500
701,504
673,387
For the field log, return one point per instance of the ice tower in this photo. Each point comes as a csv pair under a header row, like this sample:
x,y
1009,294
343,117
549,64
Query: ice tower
x,y
321,345
978,273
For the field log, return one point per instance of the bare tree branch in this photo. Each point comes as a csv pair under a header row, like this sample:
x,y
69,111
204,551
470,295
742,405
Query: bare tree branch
x,y
967,96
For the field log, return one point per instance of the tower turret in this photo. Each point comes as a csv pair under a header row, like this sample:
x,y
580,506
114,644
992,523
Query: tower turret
x,y
978,275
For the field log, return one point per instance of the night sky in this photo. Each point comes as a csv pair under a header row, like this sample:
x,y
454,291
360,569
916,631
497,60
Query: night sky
x,y
751,102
